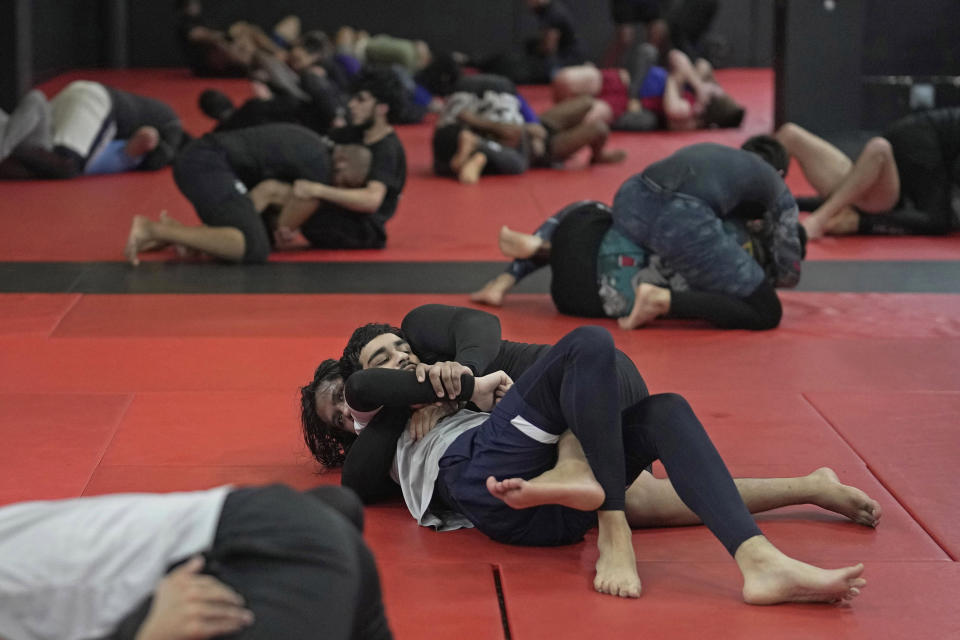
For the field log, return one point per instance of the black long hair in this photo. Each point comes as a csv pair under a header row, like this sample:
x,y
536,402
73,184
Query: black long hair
x,y
328,444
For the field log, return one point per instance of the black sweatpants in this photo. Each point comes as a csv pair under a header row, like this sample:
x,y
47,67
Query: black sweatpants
x,y
574,386
205,177
299,562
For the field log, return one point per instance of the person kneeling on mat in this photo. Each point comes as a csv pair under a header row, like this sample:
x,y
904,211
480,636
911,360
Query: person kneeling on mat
x,y
232,178
266,562
552,487
598,271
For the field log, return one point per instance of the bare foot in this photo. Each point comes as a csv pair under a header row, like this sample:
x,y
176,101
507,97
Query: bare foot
x,y
831,494
514,244
570,484
846,222
494,291
770,577
472,168
141,235
609,156
617,564
813,226
144,140
651,301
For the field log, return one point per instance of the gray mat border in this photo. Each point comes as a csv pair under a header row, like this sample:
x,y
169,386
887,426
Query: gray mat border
x,y
406,277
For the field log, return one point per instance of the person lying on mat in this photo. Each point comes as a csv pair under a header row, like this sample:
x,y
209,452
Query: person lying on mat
x,y
471,139
265,562
87,128
517,475
459,340
234,179
902,182
237,52
680,97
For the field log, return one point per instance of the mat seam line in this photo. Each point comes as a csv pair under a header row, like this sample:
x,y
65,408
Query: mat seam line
x,y
869,467
501,601
106,447
65,313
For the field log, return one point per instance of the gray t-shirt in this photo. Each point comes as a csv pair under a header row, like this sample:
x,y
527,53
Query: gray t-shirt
x,y
73,569
417,465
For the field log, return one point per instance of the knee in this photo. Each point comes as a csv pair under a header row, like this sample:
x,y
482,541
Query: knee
x,y
599,112
879,148
562,84
787,134
592,340
677,60
599,129
257,247
667,407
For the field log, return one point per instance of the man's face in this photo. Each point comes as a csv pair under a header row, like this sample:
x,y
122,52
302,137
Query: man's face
x,y
362,107
388,351
332,407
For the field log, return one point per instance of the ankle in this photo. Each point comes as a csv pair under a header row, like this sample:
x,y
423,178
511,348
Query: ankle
x,y
754,553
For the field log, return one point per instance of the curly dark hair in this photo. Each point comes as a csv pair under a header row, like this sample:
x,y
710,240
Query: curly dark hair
x,y
350,360
384,85
328,444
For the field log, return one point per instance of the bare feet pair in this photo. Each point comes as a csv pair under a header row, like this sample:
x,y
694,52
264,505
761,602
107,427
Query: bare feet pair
x,y
513,244
143,238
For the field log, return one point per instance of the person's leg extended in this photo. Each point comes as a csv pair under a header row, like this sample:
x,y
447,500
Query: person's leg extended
x,y
575,387
665,425
653,502
529,251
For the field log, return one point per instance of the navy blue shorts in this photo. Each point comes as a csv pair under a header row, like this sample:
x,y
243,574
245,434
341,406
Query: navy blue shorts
x,y
514,442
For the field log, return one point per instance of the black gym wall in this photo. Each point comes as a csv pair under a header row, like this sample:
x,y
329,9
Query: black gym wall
x,y
923,39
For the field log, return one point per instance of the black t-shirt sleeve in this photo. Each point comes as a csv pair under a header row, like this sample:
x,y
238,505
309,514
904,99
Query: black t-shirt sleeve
x,y
366,468
439,332
388,164
371,389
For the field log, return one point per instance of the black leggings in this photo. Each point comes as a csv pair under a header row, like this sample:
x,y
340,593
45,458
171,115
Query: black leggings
x,y
301,567
759,311
205,177
574,387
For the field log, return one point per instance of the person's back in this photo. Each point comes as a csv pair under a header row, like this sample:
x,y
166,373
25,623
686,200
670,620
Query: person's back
x,y
74,568
723,177
281,151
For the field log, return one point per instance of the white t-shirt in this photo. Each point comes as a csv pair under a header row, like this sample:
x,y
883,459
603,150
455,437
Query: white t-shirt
x,y
73,569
